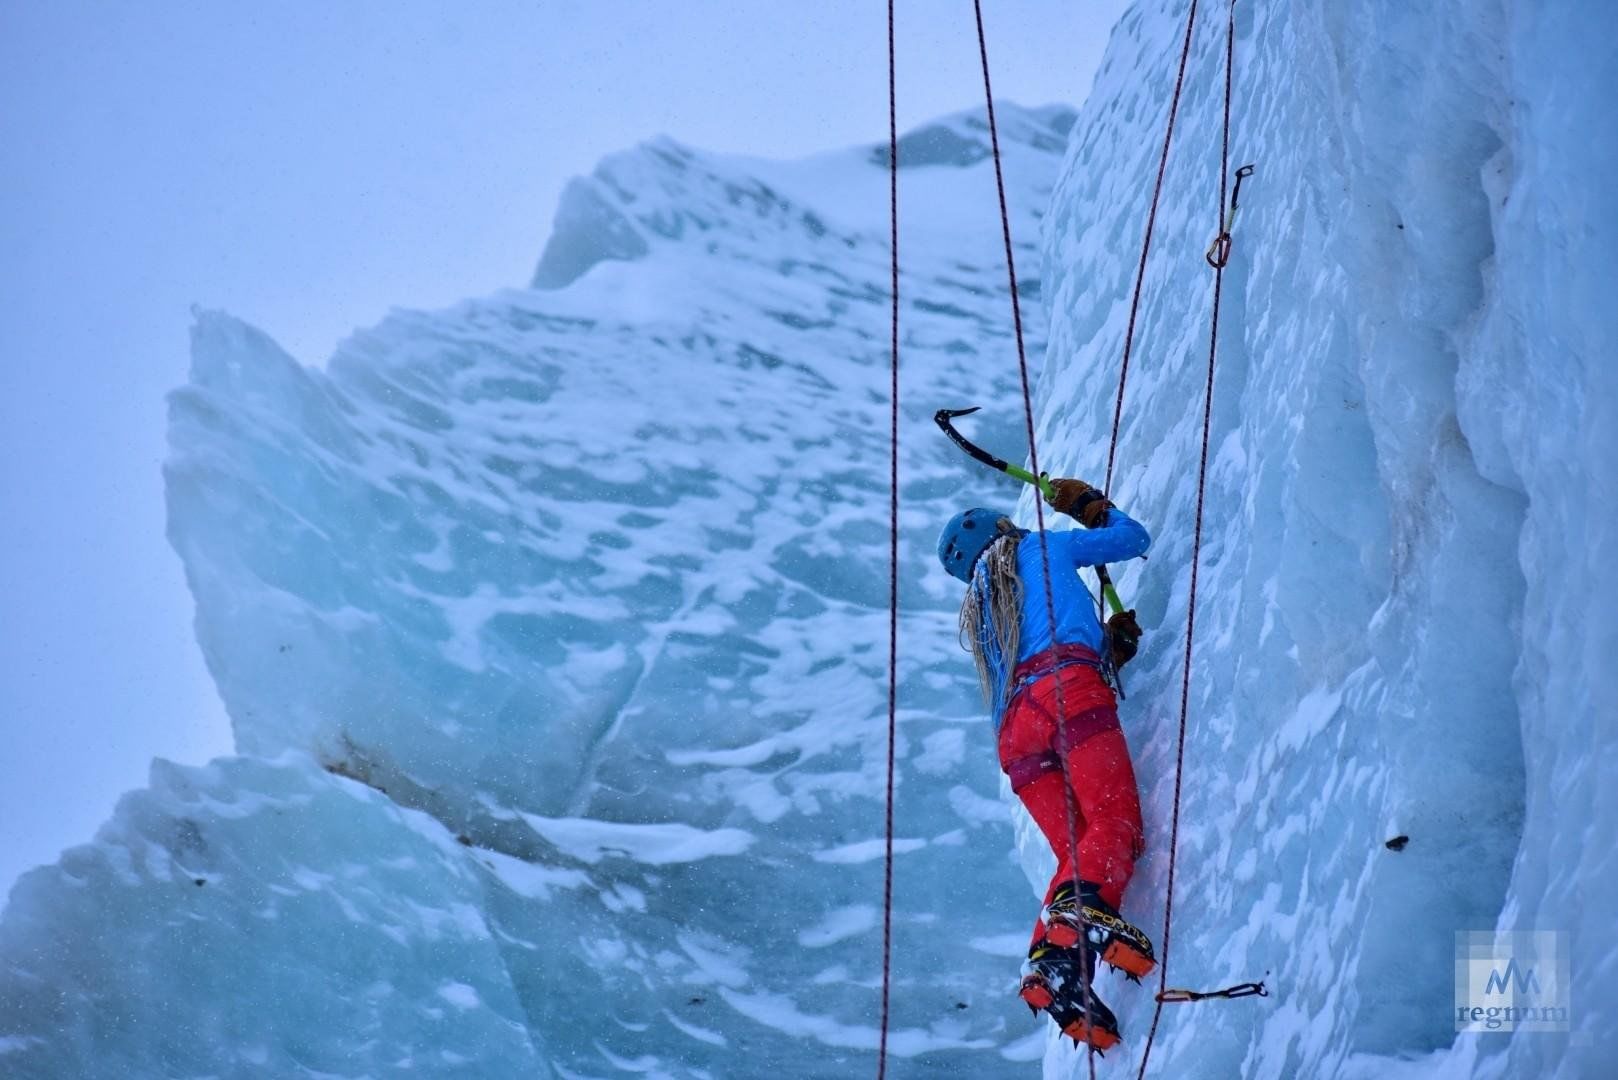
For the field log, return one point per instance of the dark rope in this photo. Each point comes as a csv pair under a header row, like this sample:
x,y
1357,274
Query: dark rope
x,y
1039,514
1196,550
893,554
1146,246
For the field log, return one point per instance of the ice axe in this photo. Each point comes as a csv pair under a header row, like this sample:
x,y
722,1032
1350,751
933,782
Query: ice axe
x,y
943,418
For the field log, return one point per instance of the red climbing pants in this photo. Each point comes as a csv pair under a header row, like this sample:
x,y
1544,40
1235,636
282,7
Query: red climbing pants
x,y
1104,806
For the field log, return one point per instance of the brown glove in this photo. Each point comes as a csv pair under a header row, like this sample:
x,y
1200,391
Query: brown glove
x,y
1078,499
1123,633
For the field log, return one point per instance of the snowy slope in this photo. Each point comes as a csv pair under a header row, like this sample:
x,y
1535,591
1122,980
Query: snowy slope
x,y
553,633
1406,602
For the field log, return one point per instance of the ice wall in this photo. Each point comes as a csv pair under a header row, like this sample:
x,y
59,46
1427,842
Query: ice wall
x,y
1407,580
553,631
260,918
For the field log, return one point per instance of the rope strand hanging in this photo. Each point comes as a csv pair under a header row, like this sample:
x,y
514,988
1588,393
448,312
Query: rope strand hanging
x,y
1164,995
1146,244
893,554
1220,248
1033,466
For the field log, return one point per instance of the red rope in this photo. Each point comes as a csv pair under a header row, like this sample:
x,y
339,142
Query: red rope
x,y
893,553
1196,548
1033,461
1039,506
1146,246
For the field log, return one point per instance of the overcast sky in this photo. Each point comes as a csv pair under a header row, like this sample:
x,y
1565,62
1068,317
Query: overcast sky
x,y
307,166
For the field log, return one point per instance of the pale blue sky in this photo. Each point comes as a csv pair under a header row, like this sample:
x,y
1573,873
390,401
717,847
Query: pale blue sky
x,y
306,166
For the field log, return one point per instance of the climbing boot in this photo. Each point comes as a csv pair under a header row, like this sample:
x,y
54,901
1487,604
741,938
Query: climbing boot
x,y
1075,914
1053,982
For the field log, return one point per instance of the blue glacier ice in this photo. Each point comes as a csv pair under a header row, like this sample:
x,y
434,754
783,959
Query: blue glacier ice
x,y
1408,574
553,627
573,600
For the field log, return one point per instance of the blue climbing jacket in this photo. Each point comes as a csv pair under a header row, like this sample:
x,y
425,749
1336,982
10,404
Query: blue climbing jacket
x,y
1120,538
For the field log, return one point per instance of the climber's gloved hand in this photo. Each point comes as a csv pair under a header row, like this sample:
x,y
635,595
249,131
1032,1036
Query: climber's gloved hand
x,y
1078,499
1123,634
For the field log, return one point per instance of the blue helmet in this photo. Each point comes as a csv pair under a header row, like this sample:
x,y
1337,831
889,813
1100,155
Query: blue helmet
x,y
967,536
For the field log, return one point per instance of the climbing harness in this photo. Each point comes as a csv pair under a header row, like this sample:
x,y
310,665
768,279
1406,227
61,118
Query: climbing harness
x,y
1022,771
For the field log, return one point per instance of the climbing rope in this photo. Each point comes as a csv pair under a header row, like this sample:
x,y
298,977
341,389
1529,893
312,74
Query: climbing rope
x,y
1039,506
1146,244
1163,993
1218,256
893,553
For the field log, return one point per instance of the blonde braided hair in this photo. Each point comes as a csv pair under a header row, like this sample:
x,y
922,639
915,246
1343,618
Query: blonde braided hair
x,y
996,591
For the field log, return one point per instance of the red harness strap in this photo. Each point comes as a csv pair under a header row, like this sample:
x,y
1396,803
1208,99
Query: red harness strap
x,y
1025,770
1051,661
1066,731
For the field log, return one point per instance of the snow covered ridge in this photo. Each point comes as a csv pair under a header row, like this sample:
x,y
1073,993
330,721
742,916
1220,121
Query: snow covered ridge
x,y
1405,619
553,634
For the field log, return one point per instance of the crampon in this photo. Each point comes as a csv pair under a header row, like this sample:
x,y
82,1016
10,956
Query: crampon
x,y
1075,915
1053,983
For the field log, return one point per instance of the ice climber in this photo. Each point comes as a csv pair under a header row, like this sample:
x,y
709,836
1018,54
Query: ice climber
x,y
1049,698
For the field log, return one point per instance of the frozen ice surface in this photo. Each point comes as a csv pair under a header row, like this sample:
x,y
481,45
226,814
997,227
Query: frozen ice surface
x,y
1407,573
553,626
591,580
260,917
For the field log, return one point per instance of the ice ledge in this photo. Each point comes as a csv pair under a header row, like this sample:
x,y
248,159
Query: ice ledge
x,y
588,230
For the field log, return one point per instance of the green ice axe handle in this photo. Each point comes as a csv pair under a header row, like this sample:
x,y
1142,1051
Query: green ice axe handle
x,y
1109,593
1043,484
943,417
